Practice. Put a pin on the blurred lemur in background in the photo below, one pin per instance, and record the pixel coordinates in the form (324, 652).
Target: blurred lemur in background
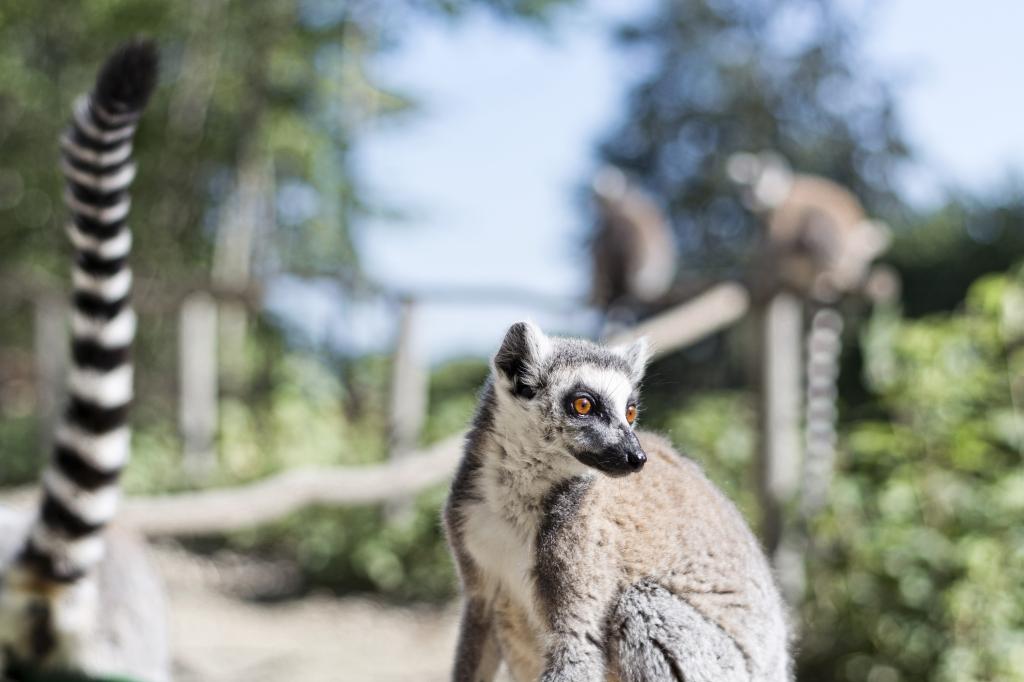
(820, 243)
(73, 595)
(817, 230)
(633, 255)
(591, 551)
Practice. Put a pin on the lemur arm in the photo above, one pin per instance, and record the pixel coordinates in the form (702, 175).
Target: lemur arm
(476, 655)
(573, 599)
(573, 586)
(575, 653)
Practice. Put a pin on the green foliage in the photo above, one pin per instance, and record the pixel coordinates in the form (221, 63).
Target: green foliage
(305, 419)
(939, 254)
(301, 418)
(918, 568)
(263, 99)
(19, 435)
(452, 400)
(396, 554)
(366, 549)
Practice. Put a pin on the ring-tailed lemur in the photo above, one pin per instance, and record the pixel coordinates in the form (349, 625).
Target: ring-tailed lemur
(817, 229)
(589, 551)
(634, 250)
(824, 348)
(72, 594)
(823, 243)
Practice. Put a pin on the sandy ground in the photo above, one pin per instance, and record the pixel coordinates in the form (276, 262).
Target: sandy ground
(221, 636)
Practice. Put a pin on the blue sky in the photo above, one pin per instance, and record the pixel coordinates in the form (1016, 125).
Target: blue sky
(487, 171)
(958, 66)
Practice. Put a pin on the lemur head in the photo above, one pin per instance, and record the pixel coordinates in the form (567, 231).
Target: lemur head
(765, 179)
(574, 401)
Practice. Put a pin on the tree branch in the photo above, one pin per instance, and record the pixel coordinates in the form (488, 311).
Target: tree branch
(687, 323)
(223, 510)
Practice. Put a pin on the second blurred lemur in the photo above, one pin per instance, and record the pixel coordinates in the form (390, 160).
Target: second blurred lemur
(818, 230)
(634, 249)
(820, 243)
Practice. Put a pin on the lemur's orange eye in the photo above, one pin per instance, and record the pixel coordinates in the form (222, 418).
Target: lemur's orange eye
(582, 405)
(631, 414)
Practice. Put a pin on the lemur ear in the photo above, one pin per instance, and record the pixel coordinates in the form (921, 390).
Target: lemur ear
(519, 359)
(636, 355)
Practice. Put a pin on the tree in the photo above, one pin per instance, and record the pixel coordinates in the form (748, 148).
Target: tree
(944, 250)
(284, 80)
(734, 75)
(252, 125)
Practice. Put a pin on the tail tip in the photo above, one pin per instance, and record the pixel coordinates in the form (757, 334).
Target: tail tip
(128, 77)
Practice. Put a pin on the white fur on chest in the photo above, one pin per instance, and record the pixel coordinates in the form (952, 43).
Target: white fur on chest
(501, 529)
(503, 552)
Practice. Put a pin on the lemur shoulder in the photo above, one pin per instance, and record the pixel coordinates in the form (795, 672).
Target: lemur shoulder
(76, 595)
(588, 550)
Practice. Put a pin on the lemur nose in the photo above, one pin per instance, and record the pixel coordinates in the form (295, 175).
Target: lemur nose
(636, 460)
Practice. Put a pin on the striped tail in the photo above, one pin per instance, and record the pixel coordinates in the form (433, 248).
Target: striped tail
(824, 348)
(80, 485)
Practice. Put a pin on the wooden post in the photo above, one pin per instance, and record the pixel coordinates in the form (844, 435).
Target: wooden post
(197, 368)
(409, 386)
(687, 323)
(409, 389)
(781, 342)
(51, 360)
(246, 219)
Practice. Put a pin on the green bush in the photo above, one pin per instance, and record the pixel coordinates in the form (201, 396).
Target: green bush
(399, 556)
(308, 419)
(917, 570)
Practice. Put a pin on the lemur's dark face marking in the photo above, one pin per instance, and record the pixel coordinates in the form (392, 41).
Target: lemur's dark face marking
(601, 434)
(579, 399)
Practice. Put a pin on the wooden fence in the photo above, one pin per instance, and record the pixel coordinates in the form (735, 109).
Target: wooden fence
(768, 295)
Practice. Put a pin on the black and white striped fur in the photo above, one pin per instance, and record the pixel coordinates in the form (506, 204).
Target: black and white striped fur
(824, 348)
(73, 595)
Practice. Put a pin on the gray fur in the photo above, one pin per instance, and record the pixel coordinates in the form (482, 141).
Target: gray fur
(578, 648)
(570, 564)
(477, 654)
(128, 636)
(656, 632)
